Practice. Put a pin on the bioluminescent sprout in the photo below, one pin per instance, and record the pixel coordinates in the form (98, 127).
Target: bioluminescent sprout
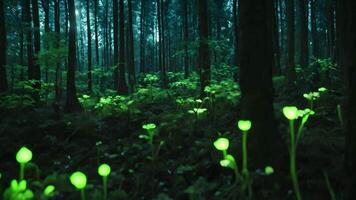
(197, 111)
(222, 144)
(18, 191)
(149, 127)
(269, 170)
(244, 125)
(104, 170)
(23, 156)
(49, 190)
(79, 180)
(322, 89)
(291, 113)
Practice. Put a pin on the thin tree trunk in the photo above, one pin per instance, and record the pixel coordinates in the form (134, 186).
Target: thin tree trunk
(58, 82)
(143, 37)
(303, 17)
(291, 74)
(122, 87)
(96, 31)
(90, 80)
(3, 77)
(186, 38)
(203, 51)
(131, 52)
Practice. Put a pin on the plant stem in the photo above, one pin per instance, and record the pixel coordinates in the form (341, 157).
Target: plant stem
(82, 194)
(292, 160)
(244, 154)
(105, 182)
(22, 171)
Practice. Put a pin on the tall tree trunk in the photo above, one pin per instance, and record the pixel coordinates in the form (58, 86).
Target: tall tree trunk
(90, 80)
(96, 31)
(143, 37)
(291, 74)
(163, 43)
(203, 54)
(131, 52)
(28, 28)
(348, 14)
(37, 44)
(72, 103)
(45, 6)
(275, 41)
(116, 41)
(236, 38)
(314, 30)
(122, 87)
(303, 17)
(58, 81)
(3, 77)
(186, 38)
(256, 78)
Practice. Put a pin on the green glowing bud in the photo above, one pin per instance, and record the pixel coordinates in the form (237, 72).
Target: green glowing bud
(79, 180)
(269, 170)
(221, 144)
(322, 89)
(244, 125)
(24, 155)
(149, 127)
(104, 170)
(225, 163)
(22, 185)
(228, 161)
(290, 112)
(48, 191)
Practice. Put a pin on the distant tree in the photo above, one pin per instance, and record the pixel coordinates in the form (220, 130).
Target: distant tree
(3, 77)
(143, 36)
(256, 63)
(96, 32)
(28, 28)
(72, 103)
(291, 74)
(131, 50)
(236, 37)
(303, 17)
(314, 28)
(122, 86)
(203, 51)
(186, 37)
(90, 80)
(37, 43)
(58, 75)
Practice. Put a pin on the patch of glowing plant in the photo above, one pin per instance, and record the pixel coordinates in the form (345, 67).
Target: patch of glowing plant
(23, 156)
(269, 170)
(49, 190)
(222, 144)
(18, 191)
(244, 126)
(151, 133)
(104, 170)
(313, 96)
(79, 180)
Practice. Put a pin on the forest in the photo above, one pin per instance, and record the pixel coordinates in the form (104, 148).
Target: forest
(178, 99)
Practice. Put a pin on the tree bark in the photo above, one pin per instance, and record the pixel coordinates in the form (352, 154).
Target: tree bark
(58, 81)
(37, 44)
(28, 28)
(203, 54)
(186, 38)
(143, 36)
(72, 103)
(96, 31)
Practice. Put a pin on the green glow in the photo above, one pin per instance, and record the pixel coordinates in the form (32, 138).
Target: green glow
(221, 144)
(18, 191)
(197, 111)
(48, 191)
(104, 170)
(290, 112)
(228, 161)
(322, 89)
(244, 125)
(24, 155)
(269, 170)
(79, 180)
(148, 127)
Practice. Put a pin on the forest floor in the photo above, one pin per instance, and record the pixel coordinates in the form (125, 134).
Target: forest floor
(186, 165)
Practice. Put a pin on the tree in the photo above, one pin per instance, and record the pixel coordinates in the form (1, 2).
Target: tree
(256, 77)
(72, 103)
(236, 37)
(37, 43)
(122, 87)
(303, 17)
(203, 51)
(291, 74)
(28, 28)
(58, 81)
(131, 52)
(185, 38)
(142, 36)
(96, 31)
(90, 81)
(315, 41)
(116, 40)
(3, 77)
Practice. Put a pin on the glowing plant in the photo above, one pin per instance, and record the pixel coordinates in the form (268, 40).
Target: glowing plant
(104, 170)
(313, 96)
(292, 113)
(23, 156)
(269, 170)
(244, 126)
(222, 144)
(151, 132)
(49, 190)
(79, 180)
(18, 191)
